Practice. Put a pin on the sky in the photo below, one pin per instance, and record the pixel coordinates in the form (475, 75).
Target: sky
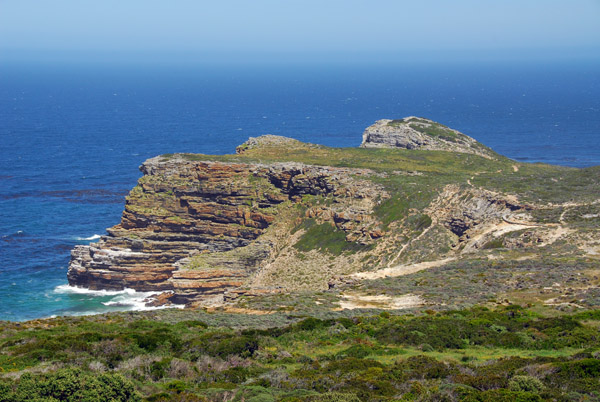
(298, 30)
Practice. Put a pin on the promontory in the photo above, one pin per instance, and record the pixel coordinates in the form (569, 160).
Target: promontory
(282, 217)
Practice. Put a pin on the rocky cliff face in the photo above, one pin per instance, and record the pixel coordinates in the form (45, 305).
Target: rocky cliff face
(196, 227)
(420, 133)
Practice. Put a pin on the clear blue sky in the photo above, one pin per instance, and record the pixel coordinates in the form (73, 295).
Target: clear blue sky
(235, 30)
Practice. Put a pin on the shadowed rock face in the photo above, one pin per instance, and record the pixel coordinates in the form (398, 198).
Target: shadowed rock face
(419, 133)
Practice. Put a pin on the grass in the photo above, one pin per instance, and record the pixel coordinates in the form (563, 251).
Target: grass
(327, 238)
(397, 123)
(369, 158)
(436, 130)
(545, 183)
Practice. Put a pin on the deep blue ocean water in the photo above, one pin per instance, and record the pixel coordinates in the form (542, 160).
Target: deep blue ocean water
(72, 138)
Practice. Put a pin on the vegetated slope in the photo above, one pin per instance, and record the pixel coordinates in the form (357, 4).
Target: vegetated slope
(282, 216)
(469, 355)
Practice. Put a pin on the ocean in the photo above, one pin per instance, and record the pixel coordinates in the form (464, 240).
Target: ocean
(72, 138)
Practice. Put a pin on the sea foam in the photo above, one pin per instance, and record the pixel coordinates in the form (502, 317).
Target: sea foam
(68, 289)
(94, 237)
(112, 300)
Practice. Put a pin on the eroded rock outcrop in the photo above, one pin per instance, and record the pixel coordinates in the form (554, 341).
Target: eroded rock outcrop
(419, 133)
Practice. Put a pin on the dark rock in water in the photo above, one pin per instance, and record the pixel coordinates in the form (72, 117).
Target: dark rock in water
(159, 300)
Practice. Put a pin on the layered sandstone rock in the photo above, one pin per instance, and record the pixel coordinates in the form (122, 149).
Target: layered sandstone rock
(194, 227)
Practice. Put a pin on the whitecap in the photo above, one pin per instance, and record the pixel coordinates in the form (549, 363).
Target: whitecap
(68, 289)
(94, 237)
(137, 302)
(17, 233)
(121, 300)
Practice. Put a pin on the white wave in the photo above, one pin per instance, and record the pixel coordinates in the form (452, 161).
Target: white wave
(94, 237)
(18, 232)
(136, 302)
(68, 289)
(122, 300)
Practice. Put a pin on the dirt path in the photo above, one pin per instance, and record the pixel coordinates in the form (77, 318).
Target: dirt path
(408, 243)
(351, 301)
(495, 231)
(400, 270)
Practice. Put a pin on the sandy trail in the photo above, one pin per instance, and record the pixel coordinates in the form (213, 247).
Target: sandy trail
(353, 301)
(400, 270)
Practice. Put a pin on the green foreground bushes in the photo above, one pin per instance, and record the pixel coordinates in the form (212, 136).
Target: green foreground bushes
(469, 355)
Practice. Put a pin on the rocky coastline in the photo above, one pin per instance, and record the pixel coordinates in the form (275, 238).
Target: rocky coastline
(281, 216)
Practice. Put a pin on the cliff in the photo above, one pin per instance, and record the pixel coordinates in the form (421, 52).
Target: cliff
(284, 216)
(199, 228)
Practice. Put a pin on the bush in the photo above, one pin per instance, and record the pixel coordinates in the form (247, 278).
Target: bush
(500, 395)
(427, 347)
(159, 368)
(310, 324)
(243, 346)
(334, 397)
(357, 351)
(423, 367)
(74, 385)
(217, 344)
(525, 383)
(151, 340)
(586, 368)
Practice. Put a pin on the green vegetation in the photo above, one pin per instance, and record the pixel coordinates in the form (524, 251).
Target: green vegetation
(378, 159)
(400, 122)
(397, 123)
(495, 243)
(465, 355)
(327, 238)
(70, 385)
(547, 183)
(436, 130)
